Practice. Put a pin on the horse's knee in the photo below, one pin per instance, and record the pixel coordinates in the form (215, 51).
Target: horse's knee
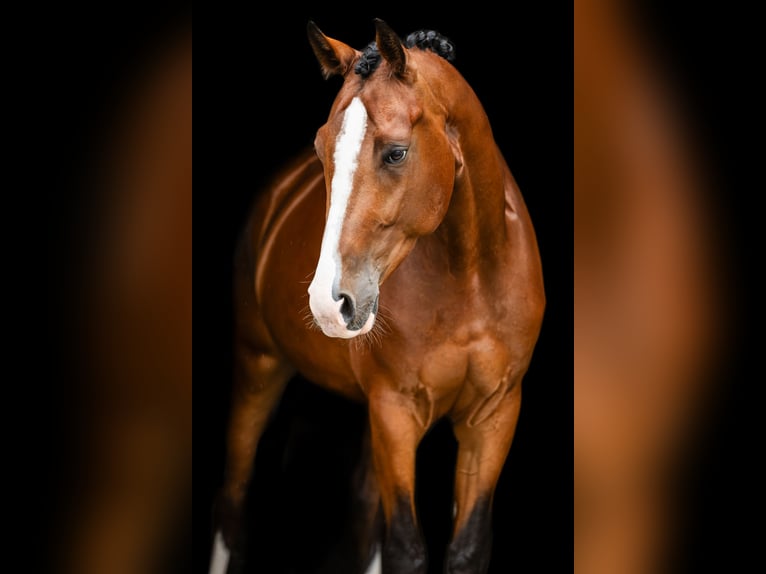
(257, 370)
(404, 551)
(470, 550)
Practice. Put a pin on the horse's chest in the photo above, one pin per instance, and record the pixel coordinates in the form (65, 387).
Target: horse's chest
(464, 336)
(457, 373)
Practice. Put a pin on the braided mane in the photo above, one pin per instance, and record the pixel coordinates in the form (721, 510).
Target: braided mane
(422, 39)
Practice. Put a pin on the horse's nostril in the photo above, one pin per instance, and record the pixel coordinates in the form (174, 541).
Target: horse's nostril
(347, 307)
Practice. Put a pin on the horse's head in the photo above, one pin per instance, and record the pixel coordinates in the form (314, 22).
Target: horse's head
(389, 164)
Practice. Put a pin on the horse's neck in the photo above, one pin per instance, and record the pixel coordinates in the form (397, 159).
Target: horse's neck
(474, 228)
(473, 233)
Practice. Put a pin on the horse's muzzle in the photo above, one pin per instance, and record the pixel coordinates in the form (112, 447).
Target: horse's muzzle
(342, 315)
(357, 316)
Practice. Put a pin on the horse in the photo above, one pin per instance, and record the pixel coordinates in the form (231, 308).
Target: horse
(425, 293)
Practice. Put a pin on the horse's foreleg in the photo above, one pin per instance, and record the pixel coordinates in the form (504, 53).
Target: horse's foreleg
(482, 450)
(259, 380)
(367, 513)
(358, 548)
(396, 433)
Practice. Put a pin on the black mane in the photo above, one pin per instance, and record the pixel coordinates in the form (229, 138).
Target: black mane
(422, 39)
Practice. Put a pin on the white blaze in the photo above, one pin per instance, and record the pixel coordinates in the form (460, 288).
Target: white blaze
(325, 309)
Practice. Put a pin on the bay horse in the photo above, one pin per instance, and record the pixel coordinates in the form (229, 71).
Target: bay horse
(425, 298)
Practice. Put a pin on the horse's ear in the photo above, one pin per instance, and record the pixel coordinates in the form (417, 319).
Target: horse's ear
(334, 57)
(390, 47)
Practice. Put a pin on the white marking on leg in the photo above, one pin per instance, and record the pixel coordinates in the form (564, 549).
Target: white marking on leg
(375, 566)
(326, 310)
(220, 558)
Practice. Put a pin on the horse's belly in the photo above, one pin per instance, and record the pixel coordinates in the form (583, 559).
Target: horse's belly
(286, 258)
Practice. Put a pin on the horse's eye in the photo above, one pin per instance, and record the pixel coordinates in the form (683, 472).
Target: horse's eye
(395, 156)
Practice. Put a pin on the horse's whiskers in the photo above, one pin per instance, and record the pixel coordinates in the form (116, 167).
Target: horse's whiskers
(308, 319)
(382, 324)
(309, 277)
(376, 336)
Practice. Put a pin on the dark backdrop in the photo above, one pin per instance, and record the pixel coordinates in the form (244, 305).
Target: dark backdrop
(259, 98)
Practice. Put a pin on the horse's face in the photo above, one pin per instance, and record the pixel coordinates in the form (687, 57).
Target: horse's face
(389, 170)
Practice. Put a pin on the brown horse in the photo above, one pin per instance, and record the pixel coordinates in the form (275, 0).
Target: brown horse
(425, 297)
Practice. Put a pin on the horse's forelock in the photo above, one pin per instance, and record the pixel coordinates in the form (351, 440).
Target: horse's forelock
(431, 40)
(369, 61)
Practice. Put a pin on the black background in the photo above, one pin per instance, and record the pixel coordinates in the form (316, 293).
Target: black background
(261, 99)
(258, 98)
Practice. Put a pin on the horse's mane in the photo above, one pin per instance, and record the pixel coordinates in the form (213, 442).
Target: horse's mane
(423, 39)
